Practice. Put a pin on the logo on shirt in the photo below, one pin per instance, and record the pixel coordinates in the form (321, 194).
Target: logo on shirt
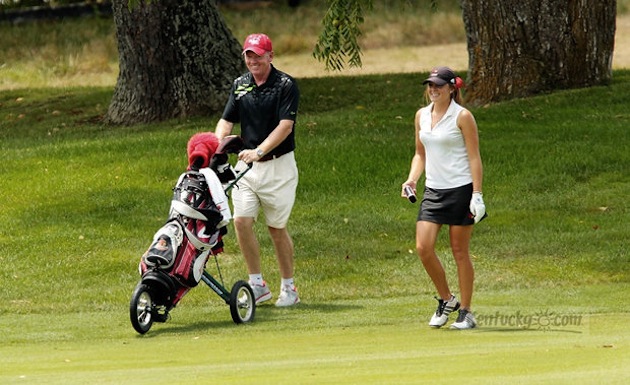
(242, 90)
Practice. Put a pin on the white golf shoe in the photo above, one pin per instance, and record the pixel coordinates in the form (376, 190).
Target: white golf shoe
(465, 320)
(261, 292)
(288, 296)
(440, 317)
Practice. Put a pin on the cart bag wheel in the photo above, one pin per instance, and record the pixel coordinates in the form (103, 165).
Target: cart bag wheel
(242, 303)
(140, 309)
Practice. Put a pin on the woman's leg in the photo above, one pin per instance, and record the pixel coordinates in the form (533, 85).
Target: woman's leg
(426, 236)
(460, 245)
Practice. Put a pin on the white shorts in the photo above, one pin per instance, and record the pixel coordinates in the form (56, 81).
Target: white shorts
(269, 185)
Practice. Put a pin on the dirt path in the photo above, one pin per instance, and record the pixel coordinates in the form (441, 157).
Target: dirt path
(415, 59)
(392, 60)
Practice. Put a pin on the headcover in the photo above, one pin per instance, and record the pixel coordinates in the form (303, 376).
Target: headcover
(231, 144)
(201, 148)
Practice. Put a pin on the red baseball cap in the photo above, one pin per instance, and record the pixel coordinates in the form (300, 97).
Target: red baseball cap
(259, 43)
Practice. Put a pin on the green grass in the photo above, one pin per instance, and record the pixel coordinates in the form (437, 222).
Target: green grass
(317, 344)
(81, 201)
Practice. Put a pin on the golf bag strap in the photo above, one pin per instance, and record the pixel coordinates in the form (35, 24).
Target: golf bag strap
(198, 243)
(185, 210)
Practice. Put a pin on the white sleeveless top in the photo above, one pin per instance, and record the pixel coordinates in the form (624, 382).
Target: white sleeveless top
(446, 164)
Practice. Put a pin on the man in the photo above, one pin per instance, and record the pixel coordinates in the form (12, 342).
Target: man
(264, 101)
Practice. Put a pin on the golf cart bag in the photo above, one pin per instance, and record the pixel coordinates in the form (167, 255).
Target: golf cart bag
(176, 260)
(193, 231)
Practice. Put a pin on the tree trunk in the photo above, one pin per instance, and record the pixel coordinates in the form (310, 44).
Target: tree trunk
(177, 58)
(518, 48)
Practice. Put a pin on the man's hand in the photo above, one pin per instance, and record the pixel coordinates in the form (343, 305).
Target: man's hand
(248, 156)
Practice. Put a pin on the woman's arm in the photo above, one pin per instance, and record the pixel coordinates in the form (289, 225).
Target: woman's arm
(466, 122)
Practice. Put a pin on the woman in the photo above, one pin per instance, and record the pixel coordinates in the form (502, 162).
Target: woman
(447, 151)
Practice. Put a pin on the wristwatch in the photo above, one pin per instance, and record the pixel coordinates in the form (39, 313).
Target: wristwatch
(260, 152)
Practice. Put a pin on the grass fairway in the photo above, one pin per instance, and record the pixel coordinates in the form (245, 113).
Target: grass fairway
(81, 202)
(359, 341)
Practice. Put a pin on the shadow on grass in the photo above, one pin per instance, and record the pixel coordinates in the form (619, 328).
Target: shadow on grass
(324, 307)
(264, 313)
(268, 312)
(163, 328)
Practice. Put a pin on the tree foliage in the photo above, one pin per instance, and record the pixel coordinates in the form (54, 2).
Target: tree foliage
(338, 41)
(341, 28)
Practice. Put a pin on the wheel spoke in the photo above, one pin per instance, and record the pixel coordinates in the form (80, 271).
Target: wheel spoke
(141, 309)
(242, 305)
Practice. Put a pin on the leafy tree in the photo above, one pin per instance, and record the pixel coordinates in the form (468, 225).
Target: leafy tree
(516, 48)
(176, 57)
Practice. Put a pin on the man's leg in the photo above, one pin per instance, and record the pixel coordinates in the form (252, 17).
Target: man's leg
(248, 243)
(251, 252)
(283, 245)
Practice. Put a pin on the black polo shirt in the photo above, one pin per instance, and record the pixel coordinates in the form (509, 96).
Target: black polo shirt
(259, 109)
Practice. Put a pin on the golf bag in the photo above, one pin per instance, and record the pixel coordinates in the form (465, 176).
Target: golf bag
(197, 222)
(176, 260)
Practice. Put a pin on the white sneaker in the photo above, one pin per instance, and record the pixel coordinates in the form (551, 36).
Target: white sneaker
(288, 296)
(465, 320)
(440, 317)
(261, 292)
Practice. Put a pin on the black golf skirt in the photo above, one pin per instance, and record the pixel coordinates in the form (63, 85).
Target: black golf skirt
(447, 206)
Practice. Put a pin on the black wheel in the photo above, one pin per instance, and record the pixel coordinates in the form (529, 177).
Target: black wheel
(140, 309)
(242, 303)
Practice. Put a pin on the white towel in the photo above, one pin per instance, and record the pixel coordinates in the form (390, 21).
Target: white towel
(218, 195)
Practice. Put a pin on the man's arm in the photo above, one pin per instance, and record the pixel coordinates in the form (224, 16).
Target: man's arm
(223, 129)
(277, 136)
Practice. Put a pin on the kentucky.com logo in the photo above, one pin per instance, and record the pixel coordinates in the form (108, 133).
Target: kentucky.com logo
(538, 320)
